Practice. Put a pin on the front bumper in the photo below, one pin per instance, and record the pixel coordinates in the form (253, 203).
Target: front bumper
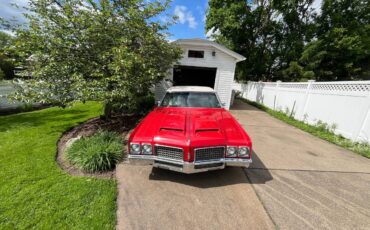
(187, 167)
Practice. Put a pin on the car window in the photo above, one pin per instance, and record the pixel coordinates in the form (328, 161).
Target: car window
(191, 99)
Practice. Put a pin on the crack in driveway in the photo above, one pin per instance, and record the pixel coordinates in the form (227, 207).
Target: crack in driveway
(307, 170)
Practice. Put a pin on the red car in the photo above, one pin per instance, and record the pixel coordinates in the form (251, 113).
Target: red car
(190, 132)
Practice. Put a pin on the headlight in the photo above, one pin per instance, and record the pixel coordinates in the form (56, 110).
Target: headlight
(231, 151)
(134, 148)
(244, 152)
(146, 149)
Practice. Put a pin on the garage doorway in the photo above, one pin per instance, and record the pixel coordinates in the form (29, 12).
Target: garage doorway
(194, 76)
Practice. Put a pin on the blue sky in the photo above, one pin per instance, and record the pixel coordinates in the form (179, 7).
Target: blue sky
(191, 14)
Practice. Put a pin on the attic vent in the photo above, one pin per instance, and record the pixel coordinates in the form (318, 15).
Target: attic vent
(196, 54)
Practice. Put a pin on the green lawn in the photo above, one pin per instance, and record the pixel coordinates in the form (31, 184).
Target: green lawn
(34, 191)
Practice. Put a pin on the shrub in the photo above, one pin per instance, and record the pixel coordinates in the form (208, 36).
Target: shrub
(146, 103)
(142, 104)
(27, 107)
(2, 74)
(98, 153)
(308, 75)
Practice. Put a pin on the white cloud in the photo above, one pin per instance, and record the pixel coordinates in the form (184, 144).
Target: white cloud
(211, 33)
(253, 6)
(202, 13)
(11, 33)
(170, 37)
(316, 5)
(13, 9)
(164, 18)
(180, 12)
(185, 16)
(170, 40)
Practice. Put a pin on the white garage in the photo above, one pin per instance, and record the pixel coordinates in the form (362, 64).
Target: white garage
(204, 63)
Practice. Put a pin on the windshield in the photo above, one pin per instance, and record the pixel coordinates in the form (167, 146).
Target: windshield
(191, 99)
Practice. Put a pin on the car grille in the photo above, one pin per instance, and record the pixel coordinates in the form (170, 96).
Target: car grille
(211, 153)
(169, 152)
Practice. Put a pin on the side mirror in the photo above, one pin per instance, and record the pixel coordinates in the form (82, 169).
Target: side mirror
(223, 104)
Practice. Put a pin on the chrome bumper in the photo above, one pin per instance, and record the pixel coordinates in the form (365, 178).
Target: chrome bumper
(187, 167)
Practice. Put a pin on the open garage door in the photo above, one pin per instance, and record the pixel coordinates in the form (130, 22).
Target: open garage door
(194, 76)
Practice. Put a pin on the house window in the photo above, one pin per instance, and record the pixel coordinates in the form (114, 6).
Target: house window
(196, 54)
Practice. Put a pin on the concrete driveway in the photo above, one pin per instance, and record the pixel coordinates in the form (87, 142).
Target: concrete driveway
(297, 181)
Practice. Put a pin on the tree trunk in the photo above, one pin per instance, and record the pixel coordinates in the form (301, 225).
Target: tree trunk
(107, 110)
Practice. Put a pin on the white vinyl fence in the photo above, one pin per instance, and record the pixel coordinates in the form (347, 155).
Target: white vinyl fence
(343, 105)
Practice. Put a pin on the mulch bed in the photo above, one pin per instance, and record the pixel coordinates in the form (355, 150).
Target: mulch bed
(121, 124)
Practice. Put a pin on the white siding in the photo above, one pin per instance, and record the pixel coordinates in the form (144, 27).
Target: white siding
(224, 63)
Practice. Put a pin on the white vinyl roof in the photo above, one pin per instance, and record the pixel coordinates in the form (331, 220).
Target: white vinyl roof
(205, 42)
(190, 89)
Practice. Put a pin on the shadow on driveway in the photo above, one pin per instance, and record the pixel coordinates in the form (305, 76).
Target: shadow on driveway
(217, 178)
(162, 199)
(243, 106)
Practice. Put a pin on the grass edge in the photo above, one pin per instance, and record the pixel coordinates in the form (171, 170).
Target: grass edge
(358, 148)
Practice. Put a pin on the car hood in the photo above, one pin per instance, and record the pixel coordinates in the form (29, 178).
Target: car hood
(191, 127)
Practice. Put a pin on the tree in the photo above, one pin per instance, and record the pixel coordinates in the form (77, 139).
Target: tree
(270, 34)
(2, 74)
(342, 48)
(281, 36)
(297, 19)
(113, 51)
(5, 40)
(6, 62)
(294, 71)
(248, 32)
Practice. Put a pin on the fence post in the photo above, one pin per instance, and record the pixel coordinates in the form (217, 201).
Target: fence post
(366, 120)
(307, 98)
(277, 90)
